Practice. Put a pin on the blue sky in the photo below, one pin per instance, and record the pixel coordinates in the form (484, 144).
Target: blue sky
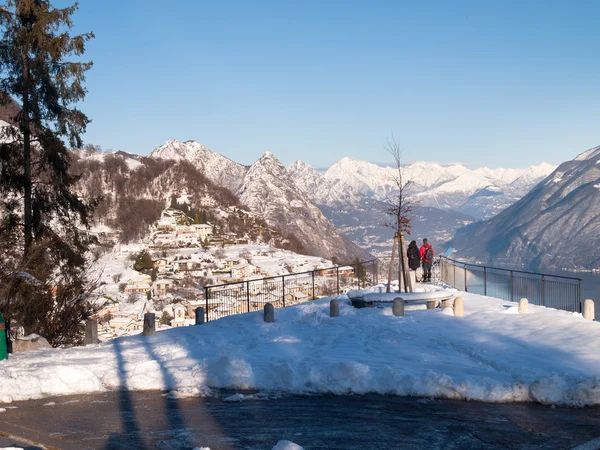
(502, 84)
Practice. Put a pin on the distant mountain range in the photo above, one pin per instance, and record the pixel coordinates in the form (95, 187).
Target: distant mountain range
(350, 193)
(332, 212)
(556, 225)
(267, 189)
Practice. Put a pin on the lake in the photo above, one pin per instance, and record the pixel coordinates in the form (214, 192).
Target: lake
(590, 285)
(555, 293)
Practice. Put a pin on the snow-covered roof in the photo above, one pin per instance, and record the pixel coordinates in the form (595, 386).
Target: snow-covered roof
(121, 320)
(138, 286)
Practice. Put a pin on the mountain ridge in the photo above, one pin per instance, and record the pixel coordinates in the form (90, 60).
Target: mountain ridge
(266, 189)
(446, 198)
(532, 231)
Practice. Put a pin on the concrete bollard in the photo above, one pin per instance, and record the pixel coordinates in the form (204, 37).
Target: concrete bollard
(459, 307)
(432, 305)
(91, 332)
(149, 324)
(269, 313)
(334, 308)
(588, 309)
(398, 306)
(199, 315)
(447, 303)
(523, 306)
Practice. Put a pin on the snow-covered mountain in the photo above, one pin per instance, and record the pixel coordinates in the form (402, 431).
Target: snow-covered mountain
(320, 189)
(217, 168)
(555, 225)
(350, 194)
(266, 188)
(445, 187)
(449, 197)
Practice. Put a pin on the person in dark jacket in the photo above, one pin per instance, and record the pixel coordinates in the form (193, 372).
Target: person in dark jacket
(414, 259)
(426, 253)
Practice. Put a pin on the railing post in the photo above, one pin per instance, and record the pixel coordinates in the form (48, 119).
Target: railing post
(206, 301)
(454, 282)
(248, 294)
(543, 291)
(376, 278)
(283, 284)
(337, 276)
(313, 282)
(466, 278)
(444, 270)
(580, 297)
(484, 280)
(511, 286)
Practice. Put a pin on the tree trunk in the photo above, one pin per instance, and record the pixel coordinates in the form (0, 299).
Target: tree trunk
(401, 266)
(391, 268)
(408, 287)
(27, 203)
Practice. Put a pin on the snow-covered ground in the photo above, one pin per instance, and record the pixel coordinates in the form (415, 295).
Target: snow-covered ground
(491, 354)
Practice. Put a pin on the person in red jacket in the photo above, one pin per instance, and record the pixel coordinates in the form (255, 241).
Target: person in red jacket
(426, 252)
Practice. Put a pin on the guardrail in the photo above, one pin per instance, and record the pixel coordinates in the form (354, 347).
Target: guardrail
(542, 289)
(285, 290)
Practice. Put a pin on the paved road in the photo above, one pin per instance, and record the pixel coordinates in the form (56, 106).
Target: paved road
(9, 441)
(144, 420)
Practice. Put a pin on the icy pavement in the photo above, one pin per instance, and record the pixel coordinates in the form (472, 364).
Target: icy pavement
(491, 354)
(150, 419)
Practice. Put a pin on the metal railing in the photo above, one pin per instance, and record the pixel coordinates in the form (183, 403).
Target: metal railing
(286, 290)
(538, 288)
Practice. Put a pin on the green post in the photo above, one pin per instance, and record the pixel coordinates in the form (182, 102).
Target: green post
(3, 351)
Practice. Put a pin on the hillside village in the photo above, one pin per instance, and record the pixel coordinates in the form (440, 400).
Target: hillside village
(174, 264)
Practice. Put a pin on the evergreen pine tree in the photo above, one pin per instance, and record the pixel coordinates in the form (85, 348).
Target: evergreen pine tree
(42, 216)
(143, 261)
(34, 68)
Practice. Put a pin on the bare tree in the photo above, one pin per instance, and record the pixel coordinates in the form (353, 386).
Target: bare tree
(246, 254)
(398, 204)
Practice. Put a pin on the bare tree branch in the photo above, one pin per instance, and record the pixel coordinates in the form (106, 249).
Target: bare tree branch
(398, 204)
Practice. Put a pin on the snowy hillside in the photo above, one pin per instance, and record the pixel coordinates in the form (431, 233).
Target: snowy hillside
(554, 225)
(136, 191)
(217, 168)
(491, 354)
(268, 190)
(320, 190)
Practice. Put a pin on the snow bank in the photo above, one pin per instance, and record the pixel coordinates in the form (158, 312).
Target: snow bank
(545, 356)
(287, 445)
